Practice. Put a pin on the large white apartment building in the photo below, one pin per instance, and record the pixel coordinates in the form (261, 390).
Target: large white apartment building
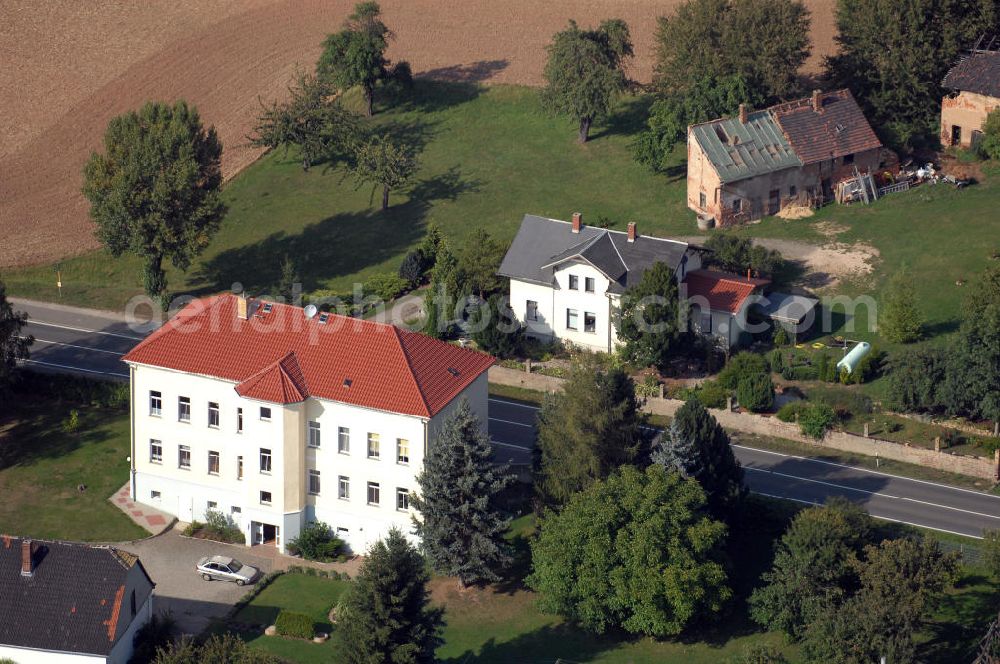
(279, 419)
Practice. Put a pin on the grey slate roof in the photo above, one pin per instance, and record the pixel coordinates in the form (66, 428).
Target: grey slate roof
(740, 151)
(787, 308)
(979, 72)
(68, 605)
(541, 244)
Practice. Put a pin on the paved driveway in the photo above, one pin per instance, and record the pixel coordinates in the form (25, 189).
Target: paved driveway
(170, 560)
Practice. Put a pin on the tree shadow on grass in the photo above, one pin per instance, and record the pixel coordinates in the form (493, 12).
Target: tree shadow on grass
(544, 645)
(474, 72)
(960, 621)
(344, 243)
(628, 120)
(429, 96)
(34, 431)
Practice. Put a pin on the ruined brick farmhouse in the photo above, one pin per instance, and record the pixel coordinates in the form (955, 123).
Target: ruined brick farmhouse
(974, 85)
(746, 167)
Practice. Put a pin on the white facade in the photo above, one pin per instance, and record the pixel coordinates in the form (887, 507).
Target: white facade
(286, 480)
(578, 309)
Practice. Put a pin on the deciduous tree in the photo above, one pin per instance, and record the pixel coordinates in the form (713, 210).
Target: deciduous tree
(311, 120)
(813, 567)
(635, 551)
(13, 346)
(739, 254)
(381, 162)
(386, 615)
(652, 319)
(697, 446)
(900, 319)
(355, 56)
(461, 522)
(894, 54)
(588, 430)
(585, 72)
(155, 190)
(763, 41)
(990, 145)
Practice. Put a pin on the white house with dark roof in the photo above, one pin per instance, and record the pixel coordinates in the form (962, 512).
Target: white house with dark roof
(566, 278)
(277, 417)
(63, 603)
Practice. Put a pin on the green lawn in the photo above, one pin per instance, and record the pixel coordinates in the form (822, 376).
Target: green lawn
(41, 468)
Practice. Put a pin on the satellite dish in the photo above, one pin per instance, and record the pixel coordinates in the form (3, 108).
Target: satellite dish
(310, 310)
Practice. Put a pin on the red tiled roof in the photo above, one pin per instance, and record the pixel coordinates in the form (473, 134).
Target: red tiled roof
(724, 292)
(839, 129)
(282, 357)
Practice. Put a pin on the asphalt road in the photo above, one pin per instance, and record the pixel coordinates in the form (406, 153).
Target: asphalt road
(93, 343)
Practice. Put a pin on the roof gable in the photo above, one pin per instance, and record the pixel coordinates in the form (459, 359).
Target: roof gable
(283, 357)
(542, 243)
(73, 602)
(722, 291)
(977, 72)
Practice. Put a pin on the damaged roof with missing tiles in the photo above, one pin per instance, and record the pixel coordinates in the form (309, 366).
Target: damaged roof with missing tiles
(977, 72)
(74, 599)
(740, 150)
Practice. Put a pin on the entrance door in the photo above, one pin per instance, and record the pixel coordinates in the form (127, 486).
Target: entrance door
(269, 534)
(956, 135)
(774, 201)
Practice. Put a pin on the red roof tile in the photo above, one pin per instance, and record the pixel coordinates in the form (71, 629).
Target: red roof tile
(839, 129)
(724, 292)
(282, 357)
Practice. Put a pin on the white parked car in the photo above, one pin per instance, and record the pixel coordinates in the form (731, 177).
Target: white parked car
(225, 568)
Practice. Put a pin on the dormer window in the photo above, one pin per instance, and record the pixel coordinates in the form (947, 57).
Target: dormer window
(574, 282)
(268, 307)
(323, 318)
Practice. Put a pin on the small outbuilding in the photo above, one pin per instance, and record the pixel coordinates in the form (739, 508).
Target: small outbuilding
(974, 85)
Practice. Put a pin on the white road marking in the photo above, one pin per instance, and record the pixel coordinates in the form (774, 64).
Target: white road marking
(884, 518)
(66, 366)
(872, 493)
(62, 343)
(866, 470)
(514, 403)
(516, 447)
(517, 424)
(32, 321)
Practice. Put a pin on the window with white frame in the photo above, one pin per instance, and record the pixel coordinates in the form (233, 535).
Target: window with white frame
(531, 310)
(402, 451)
(239, 420)
(571, 319)
(373, 493)
(213, 463)
(213, 414)
(589, 322)
(344, 440)
(212, 505)
(574, 282)
(373, 445)
(184, 409)
(265, 497)
(314, 434)
(402, 499)
(588, 284)
(155, 451)
(265, 413)
(155, 403)
(344, 487)
(239, 467)
(183, 456)
(236, 510)
(314, 482)
(265, 460)
(154, 495)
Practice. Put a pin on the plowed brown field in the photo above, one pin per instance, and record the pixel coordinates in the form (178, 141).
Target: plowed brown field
(67, 67)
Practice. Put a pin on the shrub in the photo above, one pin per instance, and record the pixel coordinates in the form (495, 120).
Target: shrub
(414, 266)
(804, 372)
(815, 420)
(649, 386)
(316, 542)
(756, 392)
(296, 625)
(759, 653)
(219, 527)
(791, 411)
(72, 423)
(709, 393)
(777, 361)
(741, 365)
(385, 286)
(780, 336)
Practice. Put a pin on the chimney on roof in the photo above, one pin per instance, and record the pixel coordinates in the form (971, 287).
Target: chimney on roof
(27, 558)
(744, 115)
(818, 101)
(577, 222)
(243, 307)
(631, 231)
